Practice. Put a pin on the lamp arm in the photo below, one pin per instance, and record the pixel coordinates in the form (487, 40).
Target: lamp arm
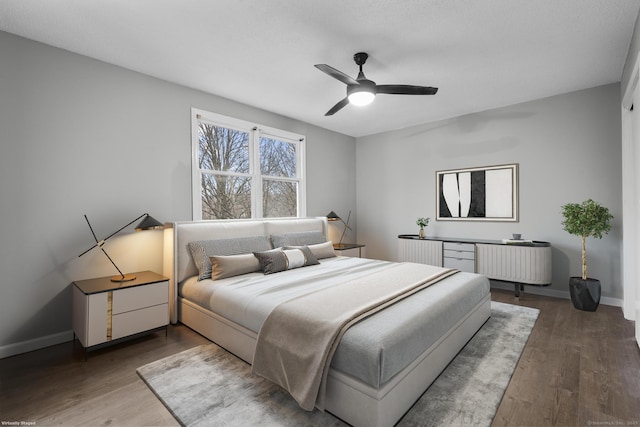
(346, 225)
(122, 228)
(342, 237)
(101, 242)
(114, 264)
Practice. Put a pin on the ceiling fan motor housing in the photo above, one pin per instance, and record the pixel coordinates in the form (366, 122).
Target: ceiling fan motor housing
(363, 86)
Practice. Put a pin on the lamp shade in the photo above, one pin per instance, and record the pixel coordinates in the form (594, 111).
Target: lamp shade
(332, 216)
(149, 223)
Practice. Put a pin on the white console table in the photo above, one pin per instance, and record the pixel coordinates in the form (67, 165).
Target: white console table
(519, 263)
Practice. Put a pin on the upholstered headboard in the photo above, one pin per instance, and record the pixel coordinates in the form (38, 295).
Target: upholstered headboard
(178, 264)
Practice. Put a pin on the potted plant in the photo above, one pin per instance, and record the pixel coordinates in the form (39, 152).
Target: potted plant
(586, 219)
(422, 223)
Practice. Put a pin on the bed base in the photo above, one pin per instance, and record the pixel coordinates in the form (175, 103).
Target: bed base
(348, 398)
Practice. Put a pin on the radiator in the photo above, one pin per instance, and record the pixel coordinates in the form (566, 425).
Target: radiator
(511, 263)
(420, 251)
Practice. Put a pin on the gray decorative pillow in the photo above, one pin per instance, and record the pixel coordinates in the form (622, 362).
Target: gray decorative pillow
(299, 238)
(223, 266)
(310, 258)
(279, 259)
(201, 250)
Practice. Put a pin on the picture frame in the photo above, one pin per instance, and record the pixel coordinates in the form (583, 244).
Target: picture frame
(487, 193)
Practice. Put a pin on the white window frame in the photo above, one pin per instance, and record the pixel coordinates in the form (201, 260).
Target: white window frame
(255, 131)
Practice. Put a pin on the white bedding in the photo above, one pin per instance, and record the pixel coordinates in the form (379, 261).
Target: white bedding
(373, 350)
(249, 298)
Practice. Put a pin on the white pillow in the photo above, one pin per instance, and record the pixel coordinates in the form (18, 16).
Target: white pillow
(295, 258)
(322, 250)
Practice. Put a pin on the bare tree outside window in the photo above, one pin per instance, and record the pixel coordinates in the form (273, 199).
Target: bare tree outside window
(224, 150)
(278, 159)
(279, 199)
(230, 187)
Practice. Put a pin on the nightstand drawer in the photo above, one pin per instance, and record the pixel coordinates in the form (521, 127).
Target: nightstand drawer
(130, 299)
(448, 253)
(132, 322)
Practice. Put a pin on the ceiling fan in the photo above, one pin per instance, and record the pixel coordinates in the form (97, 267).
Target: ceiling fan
(362, 91)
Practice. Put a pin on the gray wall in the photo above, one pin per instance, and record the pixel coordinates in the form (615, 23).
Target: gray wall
(568, 148)
(81, 136)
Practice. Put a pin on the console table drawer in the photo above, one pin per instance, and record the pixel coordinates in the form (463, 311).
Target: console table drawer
(468, 265)
(461, 256)
(448, 253)
(457, 246)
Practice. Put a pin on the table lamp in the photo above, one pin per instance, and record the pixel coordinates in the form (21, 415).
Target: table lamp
(147, 223)
(332, 216)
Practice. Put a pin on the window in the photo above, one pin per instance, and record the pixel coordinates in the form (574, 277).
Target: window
(245, 170)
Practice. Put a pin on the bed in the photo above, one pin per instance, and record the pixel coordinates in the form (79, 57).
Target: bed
(382, 364)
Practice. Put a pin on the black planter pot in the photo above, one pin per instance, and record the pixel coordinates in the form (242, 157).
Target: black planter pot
(585, 294)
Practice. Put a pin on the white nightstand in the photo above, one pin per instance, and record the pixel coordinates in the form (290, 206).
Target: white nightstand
(106, 311)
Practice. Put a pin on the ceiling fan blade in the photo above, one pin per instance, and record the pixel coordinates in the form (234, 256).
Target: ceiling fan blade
(336, 74)
(406, 90)
(339, 106)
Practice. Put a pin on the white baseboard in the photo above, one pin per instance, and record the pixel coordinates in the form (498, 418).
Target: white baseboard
(35, 344)
(547, 292)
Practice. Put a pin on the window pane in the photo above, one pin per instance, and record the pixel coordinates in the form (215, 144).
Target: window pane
(279, 199)
(223, 149)
(277, 158)
(225, 197)
(243, 170)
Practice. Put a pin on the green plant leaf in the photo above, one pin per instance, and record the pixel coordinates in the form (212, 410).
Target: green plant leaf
(422, 222)
(586, 219)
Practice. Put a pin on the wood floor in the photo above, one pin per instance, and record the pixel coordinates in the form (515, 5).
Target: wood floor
(578, 369)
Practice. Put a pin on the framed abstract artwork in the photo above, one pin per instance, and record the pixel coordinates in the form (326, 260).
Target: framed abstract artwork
(487, 193)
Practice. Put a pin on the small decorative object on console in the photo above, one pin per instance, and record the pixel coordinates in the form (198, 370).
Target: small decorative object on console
(422, 223)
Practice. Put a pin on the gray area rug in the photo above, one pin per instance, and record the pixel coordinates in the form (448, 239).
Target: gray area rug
(207, 386)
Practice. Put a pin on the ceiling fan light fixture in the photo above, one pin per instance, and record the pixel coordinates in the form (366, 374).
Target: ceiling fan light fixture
(362, 91)
(360, 98)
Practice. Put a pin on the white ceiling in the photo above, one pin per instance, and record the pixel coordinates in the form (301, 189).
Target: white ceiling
(481, 54)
